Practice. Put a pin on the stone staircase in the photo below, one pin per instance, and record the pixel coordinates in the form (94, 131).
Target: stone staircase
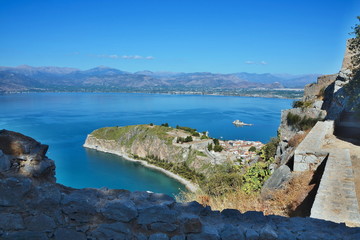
(336, 197)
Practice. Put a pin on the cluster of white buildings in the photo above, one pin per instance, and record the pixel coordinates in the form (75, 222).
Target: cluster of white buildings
(240, 148)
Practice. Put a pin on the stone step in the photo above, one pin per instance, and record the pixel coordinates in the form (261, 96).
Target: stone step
(309, 153)
(336, 197)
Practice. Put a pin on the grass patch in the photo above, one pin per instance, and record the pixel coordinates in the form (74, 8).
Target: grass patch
(129, 133)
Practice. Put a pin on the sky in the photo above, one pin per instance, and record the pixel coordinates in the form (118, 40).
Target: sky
(225, 36)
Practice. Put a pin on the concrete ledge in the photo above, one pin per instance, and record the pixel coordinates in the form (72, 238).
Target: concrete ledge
(309, 154)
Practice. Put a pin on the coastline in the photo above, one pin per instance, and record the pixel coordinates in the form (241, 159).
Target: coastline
(189, 185)
(166, 93)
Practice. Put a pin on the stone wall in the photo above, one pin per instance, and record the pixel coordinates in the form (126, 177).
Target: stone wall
(309, 153)
(346, 64)
(34, 207)
(314, 91)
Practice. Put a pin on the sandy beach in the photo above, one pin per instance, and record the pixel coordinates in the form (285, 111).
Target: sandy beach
(189, 185)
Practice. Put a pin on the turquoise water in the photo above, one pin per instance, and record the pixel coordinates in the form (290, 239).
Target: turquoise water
(62, 120)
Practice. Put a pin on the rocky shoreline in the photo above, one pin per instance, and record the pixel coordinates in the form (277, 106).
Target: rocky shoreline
(89, 143)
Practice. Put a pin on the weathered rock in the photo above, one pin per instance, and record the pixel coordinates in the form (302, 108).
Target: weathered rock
(158, 236)
(114, 231)
(120, 210)
(251, 234)
(209, 233)
(230, 232)
(11, 221)
(79, 204)
(156, 214)
(163, 227)
(35, 168)
(29, 153)
(288, 131)
(318, 104)
(4, 162)
(24, 235)
(161, 199)
(41, 223)
(268, 233)
(189, 207)
(46, 196)
(192, 224)
(178, 237)
(13, 190)
(280, 176)
(68, 233)
(17, 144)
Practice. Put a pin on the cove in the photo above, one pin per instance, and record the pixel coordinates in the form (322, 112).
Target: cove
(63, 120)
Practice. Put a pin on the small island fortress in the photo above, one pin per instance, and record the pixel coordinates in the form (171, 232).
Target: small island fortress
(238, 123)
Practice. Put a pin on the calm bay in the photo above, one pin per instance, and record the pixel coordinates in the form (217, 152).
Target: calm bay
(63, 120)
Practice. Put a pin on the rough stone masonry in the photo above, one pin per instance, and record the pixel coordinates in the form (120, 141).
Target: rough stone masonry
(34, 206)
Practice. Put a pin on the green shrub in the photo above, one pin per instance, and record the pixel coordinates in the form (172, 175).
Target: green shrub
(301, 123)
(218, 148)
(210, 146)
(204, 137)
(221, 183)
(178, 168)
(293, 119)
(252, 149)
(165, 125)
(188, 139)
(268, 151)
(196, 134)
(182, 140)
(302, 104)
(255, 177)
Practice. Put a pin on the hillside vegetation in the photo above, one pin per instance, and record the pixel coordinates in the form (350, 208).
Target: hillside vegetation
(159, 145)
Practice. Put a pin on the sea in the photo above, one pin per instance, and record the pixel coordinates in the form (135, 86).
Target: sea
(63, 120)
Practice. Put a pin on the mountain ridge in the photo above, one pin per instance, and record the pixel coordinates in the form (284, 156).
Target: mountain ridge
(103, 78)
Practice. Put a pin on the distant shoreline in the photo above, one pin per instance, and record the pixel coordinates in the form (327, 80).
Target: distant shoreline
(248, 93)
(189, 185)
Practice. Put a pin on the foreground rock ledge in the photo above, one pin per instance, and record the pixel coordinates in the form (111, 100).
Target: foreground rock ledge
(34, 206)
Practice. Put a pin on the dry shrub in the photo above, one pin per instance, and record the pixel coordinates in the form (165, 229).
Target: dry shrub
(283, 202)
(286, 200)
(234, 200)
(297, 139)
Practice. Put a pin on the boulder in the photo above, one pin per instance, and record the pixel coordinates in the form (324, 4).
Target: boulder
(230, 232)
(277, 180)
(4, 162)
(28, 155)
(280, 176)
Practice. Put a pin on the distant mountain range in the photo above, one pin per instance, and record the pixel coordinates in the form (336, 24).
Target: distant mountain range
(27, 78)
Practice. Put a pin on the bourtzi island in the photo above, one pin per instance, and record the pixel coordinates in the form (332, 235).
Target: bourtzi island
(303, 184)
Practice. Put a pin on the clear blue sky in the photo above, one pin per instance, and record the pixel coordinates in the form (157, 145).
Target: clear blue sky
(292, 36)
